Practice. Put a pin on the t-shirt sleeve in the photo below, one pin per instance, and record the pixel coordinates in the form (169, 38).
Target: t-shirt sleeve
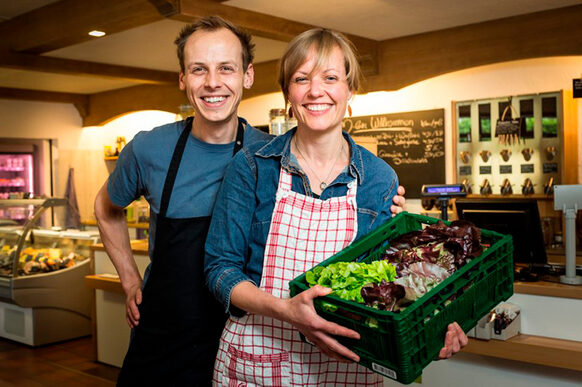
(124, 184)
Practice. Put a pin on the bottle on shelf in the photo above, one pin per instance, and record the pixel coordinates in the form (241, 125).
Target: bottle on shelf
(277, 124)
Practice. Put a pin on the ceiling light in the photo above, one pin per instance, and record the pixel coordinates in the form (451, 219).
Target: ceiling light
(97, 33)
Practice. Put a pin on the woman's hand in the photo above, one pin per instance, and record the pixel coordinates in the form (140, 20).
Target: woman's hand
(398, 200)
(455, 339)
(299, 312)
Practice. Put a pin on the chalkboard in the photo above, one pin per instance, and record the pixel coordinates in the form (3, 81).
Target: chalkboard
(413, 143)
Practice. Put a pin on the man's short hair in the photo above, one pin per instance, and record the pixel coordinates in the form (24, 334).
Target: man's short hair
(213, 23)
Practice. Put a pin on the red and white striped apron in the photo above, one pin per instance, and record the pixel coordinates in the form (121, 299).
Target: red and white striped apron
(261, 351)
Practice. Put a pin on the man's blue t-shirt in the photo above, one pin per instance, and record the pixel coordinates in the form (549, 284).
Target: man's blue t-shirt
(143, 164)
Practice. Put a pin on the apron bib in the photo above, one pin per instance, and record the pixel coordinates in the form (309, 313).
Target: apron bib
(180, 323)
(261, 351)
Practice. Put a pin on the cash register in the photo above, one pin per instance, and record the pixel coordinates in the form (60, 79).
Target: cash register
(517, 217)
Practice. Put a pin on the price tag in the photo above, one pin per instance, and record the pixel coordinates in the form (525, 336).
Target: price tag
(527, 168)
(465, 170)
(505, 169)
(550, 167)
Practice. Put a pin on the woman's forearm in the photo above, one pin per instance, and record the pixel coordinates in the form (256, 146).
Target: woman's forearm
(251, 299)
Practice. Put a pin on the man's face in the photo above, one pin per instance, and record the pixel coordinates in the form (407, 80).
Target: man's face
(214, 76)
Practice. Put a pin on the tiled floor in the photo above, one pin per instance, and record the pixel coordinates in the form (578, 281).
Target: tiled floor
(71, 363)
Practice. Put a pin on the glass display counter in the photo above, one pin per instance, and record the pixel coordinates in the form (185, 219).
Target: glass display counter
(43, 298)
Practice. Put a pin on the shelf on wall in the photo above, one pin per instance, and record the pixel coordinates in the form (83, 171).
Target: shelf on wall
(531, 349)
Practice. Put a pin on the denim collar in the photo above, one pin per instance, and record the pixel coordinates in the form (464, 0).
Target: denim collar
(280, 146)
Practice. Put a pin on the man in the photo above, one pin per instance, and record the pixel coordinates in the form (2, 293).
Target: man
(178, 168)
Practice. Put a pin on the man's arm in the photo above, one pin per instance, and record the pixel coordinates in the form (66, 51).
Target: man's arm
(398, 201)
(115, 237)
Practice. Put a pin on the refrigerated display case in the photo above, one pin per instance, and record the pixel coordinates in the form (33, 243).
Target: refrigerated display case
(16, 174)
(16, 181)
(43, 298)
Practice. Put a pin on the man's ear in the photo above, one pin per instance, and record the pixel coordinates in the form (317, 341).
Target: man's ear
(181, 81)
(249, 77)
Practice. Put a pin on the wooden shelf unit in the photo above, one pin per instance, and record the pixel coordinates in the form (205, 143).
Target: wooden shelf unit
(545, 351)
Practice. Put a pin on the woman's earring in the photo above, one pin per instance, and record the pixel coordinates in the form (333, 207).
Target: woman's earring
(290, 114)
(349, 111)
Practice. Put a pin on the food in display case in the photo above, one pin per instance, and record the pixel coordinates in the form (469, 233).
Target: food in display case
(43, 298)
(44, 250)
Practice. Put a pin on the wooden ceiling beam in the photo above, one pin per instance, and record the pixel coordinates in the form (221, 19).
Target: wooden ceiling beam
(411, 59)
(77, 67)
(81, 101)
(68, 22)
(166, 8)
(271, 27)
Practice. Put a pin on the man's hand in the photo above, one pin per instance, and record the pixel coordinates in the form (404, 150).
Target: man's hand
(132, 301)
(454, 341)
(398, 200)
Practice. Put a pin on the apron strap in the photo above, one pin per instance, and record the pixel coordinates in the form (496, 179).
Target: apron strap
(177, 158)
(240, 132)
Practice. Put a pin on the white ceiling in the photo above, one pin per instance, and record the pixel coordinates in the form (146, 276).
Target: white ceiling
(151, 46)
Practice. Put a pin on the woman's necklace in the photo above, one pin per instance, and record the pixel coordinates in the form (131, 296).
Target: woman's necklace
(323, 182)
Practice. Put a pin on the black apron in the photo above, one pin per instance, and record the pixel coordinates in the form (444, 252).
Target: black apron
(180, 324)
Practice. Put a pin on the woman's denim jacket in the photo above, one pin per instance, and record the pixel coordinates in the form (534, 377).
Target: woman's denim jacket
(242, 214)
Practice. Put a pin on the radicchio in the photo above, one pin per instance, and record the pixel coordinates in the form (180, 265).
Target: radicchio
(449, 246)
(383, 296)
(418, 278)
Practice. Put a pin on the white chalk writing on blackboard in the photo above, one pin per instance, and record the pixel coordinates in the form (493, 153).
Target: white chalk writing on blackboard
(413, 143)
(432, 123)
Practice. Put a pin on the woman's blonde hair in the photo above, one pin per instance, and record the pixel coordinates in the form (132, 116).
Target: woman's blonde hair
(323, 41)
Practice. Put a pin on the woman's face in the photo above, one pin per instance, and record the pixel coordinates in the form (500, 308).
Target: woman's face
(319, 98)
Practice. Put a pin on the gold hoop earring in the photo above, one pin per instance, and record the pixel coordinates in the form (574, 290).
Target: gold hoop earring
(349, 110)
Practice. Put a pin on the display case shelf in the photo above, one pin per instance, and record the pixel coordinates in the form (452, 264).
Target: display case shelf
(12, 169)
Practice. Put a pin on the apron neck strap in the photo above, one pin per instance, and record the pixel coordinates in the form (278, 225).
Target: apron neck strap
(240, 133)
(174, 165)
(177, 158)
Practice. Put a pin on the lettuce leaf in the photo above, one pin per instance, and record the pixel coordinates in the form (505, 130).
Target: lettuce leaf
(346, 279)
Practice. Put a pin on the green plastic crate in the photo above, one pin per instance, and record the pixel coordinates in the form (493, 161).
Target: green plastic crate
(400, 345)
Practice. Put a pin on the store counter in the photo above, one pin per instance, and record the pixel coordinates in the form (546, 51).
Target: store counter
(548, 351)
(110, 329)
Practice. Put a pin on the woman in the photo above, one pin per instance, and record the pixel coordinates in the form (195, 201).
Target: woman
(283, 208)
